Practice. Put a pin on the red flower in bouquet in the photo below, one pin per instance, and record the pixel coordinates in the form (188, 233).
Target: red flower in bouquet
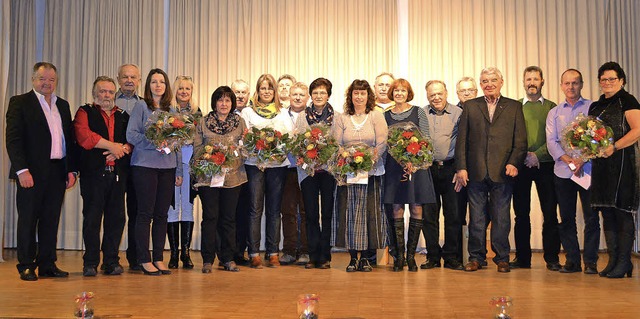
(316, 132)
(278, 134)
(312, 153)
(413, 148)
(177, 123)
(218, 158)
(261, 144)
(407, 134)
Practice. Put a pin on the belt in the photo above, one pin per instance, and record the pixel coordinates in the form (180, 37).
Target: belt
(109, 168)
(444, 163)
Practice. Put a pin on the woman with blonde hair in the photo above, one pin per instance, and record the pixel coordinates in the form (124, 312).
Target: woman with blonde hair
(180, 216)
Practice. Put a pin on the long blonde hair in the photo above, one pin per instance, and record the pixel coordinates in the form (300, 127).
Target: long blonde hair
(272, 84)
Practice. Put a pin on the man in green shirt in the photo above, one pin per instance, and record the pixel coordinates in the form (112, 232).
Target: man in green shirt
(538, 168)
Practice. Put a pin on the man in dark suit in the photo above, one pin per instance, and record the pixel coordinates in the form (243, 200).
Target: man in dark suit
(40, 145)
(492, 143)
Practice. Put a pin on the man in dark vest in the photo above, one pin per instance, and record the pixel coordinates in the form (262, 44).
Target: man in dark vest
(101, 134)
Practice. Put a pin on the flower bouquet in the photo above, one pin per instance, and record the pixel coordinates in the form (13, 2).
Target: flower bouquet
(409, 148)
(313, 148)
(586, 137)
(169, 131)
(351, 163)
(268, 146)
(211, 161)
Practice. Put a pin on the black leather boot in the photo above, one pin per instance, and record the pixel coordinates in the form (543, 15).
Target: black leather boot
(186, 233)
(625, 244)
(173, 230)
(398, 226)
(415, 225)
(611, 238)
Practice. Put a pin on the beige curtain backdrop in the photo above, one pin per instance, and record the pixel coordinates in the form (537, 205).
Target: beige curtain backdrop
(217, 42)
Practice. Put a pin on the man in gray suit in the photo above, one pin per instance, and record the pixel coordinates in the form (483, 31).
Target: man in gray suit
(492, 143)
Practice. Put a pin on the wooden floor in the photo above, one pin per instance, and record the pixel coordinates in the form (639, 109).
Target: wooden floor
(272, 293)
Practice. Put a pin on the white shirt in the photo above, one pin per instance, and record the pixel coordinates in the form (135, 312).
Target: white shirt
(51, 112)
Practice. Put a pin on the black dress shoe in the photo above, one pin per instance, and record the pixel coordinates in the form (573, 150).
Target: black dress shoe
(53, 272)
(515, 264)
(429, 264)
(590, 269)
(569, 267)
(556, 266)
(150, 273)
(453, 264)
(162, 271)
(324, 265)
(28, 275)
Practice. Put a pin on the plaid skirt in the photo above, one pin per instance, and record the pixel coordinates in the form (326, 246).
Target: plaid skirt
(358, 221)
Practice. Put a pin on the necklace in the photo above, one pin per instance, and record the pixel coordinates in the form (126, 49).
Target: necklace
(358, 126)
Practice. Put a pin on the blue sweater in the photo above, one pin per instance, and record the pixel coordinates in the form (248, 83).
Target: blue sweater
(145, 153)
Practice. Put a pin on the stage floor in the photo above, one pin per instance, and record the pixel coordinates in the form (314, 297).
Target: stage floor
(272, 293)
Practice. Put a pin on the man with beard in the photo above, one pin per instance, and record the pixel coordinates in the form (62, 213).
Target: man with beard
(101, 133)
(538, 168)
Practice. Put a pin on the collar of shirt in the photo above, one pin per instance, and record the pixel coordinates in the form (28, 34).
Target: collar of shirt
(40, 97)
(492, 101)
(525, 100)
(121, 95)
(432, 110)
(580, 101)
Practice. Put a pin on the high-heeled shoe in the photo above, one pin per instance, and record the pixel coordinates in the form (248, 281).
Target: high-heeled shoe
(148, 272)
(162, 271)
(619, 272)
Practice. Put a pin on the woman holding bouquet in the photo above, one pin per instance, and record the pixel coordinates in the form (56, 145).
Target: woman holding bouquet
(153, 172)
(266, 183)
(222, 126)
(321, 183)
(180, 216)
(406, 187)
(614, 185)
(358, 221)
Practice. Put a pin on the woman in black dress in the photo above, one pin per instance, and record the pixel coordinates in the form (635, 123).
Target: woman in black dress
(399, 190)
(614, 183)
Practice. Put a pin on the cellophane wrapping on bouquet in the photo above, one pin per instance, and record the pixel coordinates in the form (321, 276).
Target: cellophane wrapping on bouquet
(409, 148)
(268, 146)
(586, 137)
(313, 148)
(170, 129)
(351, 160)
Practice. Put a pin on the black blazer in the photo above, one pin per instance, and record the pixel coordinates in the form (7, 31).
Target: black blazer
(484, 148)
(28, 138)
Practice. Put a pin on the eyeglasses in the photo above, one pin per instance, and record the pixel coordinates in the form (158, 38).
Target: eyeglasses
(184, 77)
(465, 91)
(609, 80)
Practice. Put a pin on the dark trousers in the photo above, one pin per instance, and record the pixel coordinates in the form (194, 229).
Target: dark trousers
(446, 197)
(319, 225)
(294, 227)
(242, 221)
(543, 177)
(132, 212)
(495, 197)
(218, 221)
(265, 190)
(102, 197)
(39, 213)
(567, 192)
(154, 187)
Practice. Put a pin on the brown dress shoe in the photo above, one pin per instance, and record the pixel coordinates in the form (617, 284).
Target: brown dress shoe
(256, 262)
(503, 266)
(273, 261)
(472, 266)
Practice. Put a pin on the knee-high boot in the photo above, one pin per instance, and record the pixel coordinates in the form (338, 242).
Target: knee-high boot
(398, 226)
(611, 238)
(173, 230)
(415, 225)
(186, 233)
(626, 230)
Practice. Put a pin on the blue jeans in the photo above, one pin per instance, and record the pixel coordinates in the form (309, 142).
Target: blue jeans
(496, 197)
(567, 192)
(265, 187)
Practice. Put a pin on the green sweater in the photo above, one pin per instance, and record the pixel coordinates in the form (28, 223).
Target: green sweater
(535, 118)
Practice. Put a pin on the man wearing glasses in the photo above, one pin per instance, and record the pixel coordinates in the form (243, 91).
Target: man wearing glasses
(492, 143)
(466, 90)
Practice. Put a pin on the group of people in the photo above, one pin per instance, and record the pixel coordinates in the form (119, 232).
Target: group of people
(487, 151)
